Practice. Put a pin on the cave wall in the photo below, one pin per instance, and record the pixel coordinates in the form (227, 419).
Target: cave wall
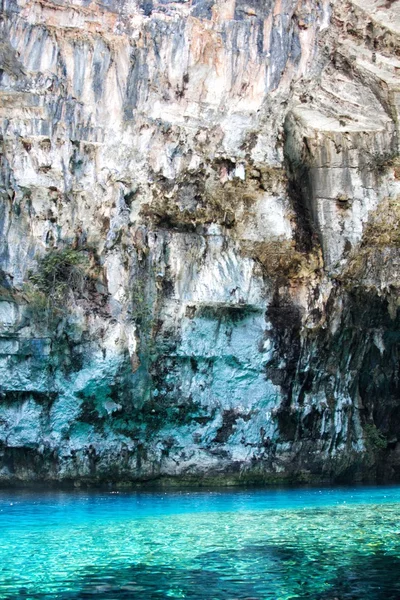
(199, 250)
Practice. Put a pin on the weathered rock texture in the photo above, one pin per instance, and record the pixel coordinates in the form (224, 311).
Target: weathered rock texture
(200, 240)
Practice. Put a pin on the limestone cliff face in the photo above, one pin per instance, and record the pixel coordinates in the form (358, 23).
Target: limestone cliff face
(199, 251)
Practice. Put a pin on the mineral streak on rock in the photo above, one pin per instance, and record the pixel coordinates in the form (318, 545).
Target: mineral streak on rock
(199, 250)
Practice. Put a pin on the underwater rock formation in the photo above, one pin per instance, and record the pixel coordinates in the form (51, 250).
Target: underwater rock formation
(199, 251)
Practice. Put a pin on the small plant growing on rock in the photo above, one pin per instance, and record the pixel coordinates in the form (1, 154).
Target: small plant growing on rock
(60, 271)
(374, 438)
(279, 257)
(383, 227)
(141, 307)
(380, 241)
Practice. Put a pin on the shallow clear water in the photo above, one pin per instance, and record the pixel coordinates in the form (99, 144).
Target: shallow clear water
(262, 544)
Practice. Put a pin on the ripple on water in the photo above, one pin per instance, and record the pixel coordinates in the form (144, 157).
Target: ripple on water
(229, 547)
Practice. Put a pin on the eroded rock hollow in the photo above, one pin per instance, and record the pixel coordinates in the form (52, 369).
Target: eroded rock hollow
(200, 231)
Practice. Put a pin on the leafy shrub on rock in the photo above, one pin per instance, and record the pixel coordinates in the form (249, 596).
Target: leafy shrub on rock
(59, 272)
(374, 438)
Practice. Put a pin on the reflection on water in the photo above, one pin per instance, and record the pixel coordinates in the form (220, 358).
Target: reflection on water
(317, 544)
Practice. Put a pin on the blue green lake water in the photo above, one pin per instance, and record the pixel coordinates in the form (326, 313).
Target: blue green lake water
(327, 544)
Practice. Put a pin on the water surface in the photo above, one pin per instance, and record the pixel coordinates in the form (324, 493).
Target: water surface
(326, 544)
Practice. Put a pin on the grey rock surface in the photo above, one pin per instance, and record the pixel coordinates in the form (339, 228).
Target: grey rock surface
(199, 248)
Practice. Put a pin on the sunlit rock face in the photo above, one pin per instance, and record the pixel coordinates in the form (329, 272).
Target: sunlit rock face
(214, 187)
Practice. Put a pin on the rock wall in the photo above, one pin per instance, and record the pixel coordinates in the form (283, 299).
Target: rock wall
(199, 251)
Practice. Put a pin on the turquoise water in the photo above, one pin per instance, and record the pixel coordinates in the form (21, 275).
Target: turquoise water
(323, 544)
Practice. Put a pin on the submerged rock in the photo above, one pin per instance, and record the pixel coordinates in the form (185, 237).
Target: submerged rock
(199, 251)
